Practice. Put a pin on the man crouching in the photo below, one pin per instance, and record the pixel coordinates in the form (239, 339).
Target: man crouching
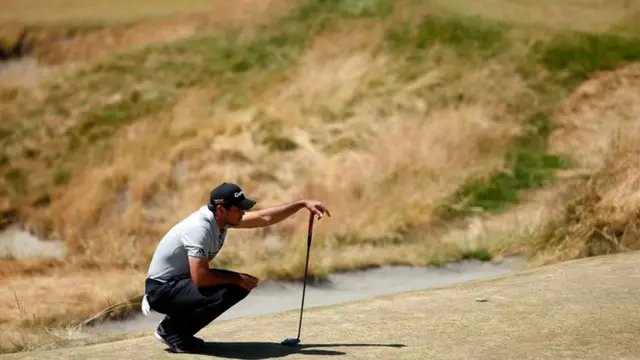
(180, 283)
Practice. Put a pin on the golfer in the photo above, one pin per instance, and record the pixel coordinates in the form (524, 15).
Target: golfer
(180, 283)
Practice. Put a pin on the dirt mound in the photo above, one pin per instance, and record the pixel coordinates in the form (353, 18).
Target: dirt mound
(602, 107)
(603, 216)
(600, 128)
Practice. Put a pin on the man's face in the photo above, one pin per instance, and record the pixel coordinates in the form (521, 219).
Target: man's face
(233, 216)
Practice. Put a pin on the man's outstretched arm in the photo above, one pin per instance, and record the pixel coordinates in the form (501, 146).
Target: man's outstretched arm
(274, 215)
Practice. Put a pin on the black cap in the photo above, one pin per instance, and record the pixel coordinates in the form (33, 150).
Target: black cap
(227, 193)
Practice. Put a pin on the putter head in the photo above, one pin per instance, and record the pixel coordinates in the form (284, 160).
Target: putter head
(290, 342)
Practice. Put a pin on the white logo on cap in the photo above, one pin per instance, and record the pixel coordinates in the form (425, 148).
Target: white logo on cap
(237, 194)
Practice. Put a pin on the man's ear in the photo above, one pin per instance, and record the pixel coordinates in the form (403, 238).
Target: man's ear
(214, 208)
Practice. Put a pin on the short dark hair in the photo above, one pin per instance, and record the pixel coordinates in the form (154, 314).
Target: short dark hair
(213, 207)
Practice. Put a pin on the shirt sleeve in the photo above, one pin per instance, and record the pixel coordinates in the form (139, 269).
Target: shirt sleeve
(197, 242)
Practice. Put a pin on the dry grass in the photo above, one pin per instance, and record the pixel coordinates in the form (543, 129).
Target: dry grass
(25, 73)
(81, 294)
(595, 113)
(39, 12)
(418, 153)
(599, 127)
(100, 43)
(510, 233)
(27, 267)
(30, 320)
(602, 217)
(95, 30)
(586, 15)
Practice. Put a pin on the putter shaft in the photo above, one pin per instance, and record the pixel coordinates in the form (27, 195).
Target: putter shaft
(306, 267)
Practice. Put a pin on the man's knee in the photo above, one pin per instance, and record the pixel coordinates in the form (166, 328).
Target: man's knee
(238, 293)
(224, 293)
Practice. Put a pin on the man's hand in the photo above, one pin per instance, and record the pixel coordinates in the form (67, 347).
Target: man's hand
(248, 282)
(317, 208)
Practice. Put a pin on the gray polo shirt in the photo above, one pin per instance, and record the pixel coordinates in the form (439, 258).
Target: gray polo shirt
(195, 236)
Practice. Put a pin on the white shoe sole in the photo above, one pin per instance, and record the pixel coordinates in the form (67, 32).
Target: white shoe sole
(171, 347)
(161, 339)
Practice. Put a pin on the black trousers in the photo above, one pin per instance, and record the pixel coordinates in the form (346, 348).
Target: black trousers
(187, 308)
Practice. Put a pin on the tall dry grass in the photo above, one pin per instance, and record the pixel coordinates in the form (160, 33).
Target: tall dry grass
(29, 293)
(602, 217)
(598, 125)
(393, 156)
(49, 310)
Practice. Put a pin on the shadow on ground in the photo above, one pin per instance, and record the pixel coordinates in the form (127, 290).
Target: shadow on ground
(266, 350)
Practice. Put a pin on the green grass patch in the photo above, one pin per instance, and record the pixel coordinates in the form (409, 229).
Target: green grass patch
(16, 180)
(5, 133)
(477, 254)
(437, 260)
(466, 36)
(574, 57)
(62, 176)
(528, 166)
(280, 143)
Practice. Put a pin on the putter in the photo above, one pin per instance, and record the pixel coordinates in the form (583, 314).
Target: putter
(296, 341)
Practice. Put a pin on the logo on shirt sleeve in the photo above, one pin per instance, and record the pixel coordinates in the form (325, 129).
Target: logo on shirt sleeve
(200, 252)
